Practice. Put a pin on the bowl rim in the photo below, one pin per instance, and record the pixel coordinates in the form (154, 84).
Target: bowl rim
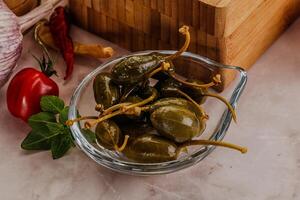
(134, 168)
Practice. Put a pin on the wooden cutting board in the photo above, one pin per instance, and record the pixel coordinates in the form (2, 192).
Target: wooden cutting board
(252, 30)
(233, 32)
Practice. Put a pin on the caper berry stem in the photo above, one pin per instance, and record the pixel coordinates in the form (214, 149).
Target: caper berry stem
(114, 107)
(145, 108)
(216, 81)
(124, 108)
(123, 146)
(128, 91)
(165, 66)
(210, 142)
(203, 114)
(144, 102)
(70, 122)
(90, 124)
(184, 30)
(231, 109)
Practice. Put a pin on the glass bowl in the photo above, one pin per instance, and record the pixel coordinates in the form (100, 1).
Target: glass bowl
(189, 65)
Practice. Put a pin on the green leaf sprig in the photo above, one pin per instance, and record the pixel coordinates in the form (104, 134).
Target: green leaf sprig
(49, 131)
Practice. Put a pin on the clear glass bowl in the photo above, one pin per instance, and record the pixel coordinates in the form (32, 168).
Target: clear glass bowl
(189, 65)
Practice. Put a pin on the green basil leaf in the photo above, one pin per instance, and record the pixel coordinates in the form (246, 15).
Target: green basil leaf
(52, 104)
(39, 121)
(55, 127)
(89, 135)
(68, 132)
(63, 115)
(38, 140)
(60, 145)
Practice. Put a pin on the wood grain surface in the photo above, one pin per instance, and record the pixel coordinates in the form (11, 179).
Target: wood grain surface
(232, 32)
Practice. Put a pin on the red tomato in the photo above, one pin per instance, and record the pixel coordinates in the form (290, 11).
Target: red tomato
(25, 91)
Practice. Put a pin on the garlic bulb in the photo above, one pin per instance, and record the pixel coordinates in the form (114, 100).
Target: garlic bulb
(11, 28)
(10, 42)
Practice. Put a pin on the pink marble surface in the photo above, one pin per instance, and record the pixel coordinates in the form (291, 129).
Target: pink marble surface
(268, 124)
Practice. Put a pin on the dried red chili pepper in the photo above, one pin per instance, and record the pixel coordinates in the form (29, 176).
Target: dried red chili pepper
(60, 29)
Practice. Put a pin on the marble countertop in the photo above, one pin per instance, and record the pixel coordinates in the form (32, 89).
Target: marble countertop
(269, 125)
